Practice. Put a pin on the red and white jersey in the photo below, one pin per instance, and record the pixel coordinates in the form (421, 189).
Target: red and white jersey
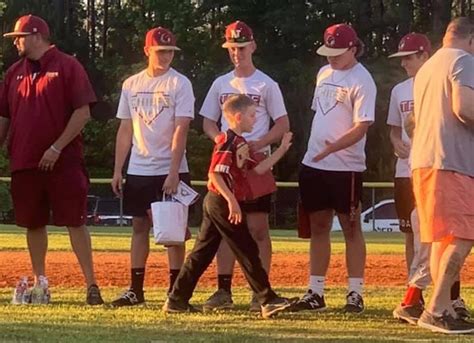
(231, 158)
(153, 103)
(401, 105)
(260, 87)
(341, 99)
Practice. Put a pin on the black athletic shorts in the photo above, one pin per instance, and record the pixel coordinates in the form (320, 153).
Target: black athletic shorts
(404, 202)
(140, 191)
(262, 204)
(327, 189)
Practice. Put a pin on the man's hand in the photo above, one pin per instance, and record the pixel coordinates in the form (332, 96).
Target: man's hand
(324, 153)
(170, 186)
(402, 149)
(117, 182)
(286, 141)
(48, 160)
(235, 213)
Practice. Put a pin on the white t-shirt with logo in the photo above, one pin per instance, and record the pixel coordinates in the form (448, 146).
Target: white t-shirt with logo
(401, 105)
(260, 87)
(153, 103)
(341, 99)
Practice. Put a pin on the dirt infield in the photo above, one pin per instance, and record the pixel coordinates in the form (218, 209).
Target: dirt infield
(287, 270)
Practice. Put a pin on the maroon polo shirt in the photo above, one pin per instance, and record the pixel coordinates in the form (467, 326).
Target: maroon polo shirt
(39, 98)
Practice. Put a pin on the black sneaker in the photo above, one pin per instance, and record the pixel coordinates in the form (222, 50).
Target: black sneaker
(310, 302)
(129, 298)
(409, 314)
(93, 296)
(460, 308)
(355, 303)
(275, 306)
(445, 323)
(173, 306)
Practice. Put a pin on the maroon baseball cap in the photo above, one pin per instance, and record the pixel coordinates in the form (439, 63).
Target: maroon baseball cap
(27, 25)
(237, 35)
(412, 43)
(337, 40)
(160, 38)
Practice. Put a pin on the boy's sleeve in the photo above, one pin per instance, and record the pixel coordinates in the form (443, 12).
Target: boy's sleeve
(222, 156)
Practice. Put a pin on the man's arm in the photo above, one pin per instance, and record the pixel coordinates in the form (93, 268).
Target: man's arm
(123, 142)
(210, 128)
(280, 127)
(402, 149)
(463, 104)
(78, 120)
(4, 126)
(351, 137)
(178, 146)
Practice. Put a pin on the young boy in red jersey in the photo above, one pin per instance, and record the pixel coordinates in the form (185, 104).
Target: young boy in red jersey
(222, 215)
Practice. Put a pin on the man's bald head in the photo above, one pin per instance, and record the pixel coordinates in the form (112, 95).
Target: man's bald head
(460, 34)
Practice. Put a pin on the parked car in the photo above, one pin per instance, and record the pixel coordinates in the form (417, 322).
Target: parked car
(106, 212)
(381, 218)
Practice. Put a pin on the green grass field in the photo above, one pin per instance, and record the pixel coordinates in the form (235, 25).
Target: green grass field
(118, 239)
(68, 320)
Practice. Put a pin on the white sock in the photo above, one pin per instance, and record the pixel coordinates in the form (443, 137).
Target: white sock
(356, 284)
(316, 284)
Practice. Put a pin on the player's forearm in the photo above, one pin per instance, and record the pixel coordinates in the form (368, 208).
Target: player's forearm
(210, 128)
(78, 120)
(178, 145)
(350, 138)
(4, 126)
(270, 161)
(218, 182)
(395, 135)
(123, 143)
(280, 127)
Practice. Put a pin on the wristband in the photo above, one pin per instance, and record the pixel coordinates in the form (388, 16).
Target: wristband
(56, 150)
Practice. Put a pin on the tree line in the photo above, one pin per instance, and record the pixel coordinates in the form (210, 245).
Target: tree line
(107, 36)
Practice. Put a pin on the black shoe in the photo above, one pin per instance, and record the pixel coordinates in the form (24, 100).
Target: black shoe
(460, 308)
(93, 296)
(173, 306)
(409, 314)
(310, 302)
(275, 306)
(445, 323)
(355, 303)
(129, 298)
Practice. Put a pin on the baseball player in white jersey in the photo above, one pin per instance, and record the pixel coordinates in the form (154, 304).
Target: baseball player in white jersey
(331, 175)
(245, 78)
(414, 50)
(155, 109)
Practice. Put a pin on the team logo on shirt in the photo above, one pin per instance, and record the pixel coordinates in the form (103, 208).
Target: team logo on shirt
(255, 97)
(242, 154)
(149, 105)
(407, 106)
(329, 95)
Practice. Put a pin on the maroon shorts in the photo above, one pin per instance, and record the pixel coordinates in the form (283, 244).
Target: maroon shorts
(61, 193)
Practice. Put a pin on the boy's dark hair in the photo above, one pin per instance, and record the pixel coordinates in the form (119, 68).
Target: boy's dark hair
(237, 103)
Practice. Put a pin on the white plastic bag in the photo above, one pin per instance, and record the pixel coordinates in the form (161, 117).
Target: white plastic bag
(170, 221)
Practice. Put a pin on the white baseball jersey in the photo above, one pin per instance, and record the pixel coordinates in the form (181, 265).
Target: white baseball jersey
(401, 104)
(341, 99)
(260, 87)
(153, 103)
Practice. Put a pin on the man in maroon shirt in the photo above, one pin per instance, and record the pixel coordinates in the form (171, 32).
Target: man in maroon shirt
(45, 105)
